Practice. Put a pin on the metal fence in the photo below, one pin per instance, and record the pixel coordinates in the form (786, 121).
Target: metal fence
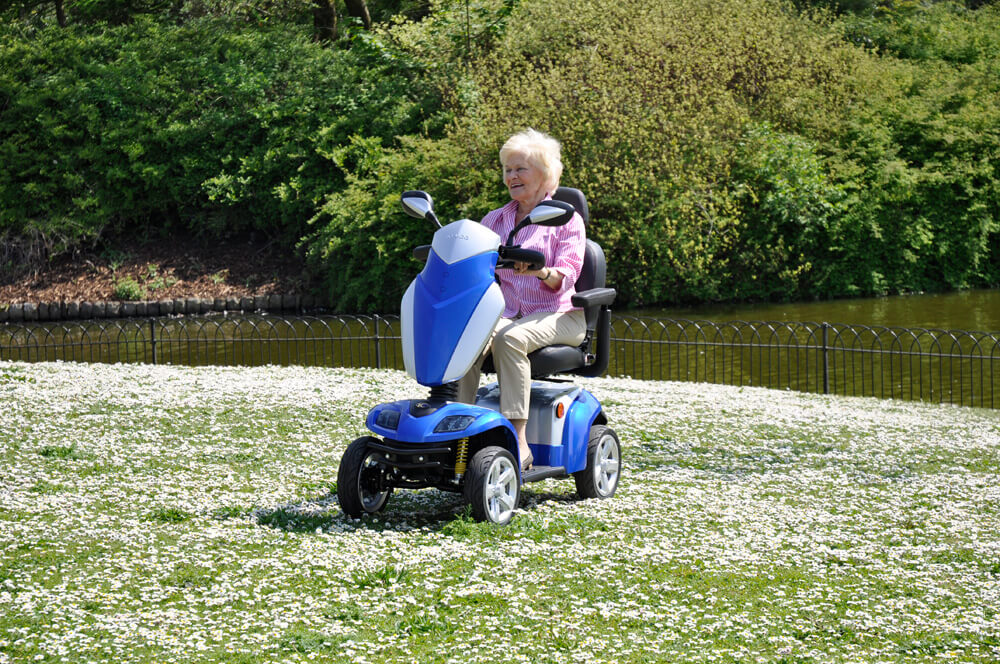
(930, 365)
(943, 366)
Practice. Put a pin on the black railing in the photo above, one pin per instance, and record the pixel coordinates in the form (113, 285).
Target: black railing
(248, 340)
(855, 360)
(929, 365)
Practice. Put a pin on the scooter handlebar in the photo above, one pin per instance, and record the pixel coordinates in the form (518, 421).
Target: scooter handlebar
(511, 255)
(508, 256)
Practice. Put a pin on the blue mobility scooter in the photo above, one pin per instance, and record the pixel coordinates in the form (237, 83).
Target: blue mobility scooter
(447, 315)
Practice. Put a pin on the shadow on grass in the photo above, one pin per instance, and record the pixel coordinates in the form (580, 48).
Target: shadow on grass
(406, 510)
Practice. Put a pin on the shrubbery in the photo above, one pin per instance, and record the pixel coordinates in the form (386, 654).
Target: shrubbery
(730, 149)
(208, 127)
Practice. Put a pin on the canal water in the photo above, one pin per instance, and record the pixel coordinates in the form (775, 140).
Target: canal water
(941, 347)
(977, 310)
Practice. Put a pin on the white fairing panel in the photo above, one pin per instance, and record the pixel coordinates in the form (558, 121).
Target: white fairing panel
(543, 425)
(406, 330)
(462, 239)
(477, 332)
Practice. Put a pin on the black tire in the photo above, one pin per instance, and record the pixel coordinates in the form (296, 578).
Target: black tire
(359, 480)
(604, 463)
(493, 485)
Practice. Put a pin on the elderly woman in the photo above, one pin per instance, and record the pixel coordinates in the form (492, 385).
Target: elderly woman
(538, 310)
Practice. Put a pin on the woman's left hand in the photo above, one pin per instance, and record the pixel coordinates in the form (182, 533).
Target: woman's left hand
(523, 269)
(548, 276)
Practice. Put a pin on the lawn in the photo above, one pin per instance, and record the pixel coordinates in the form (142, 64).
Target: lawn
(171, 514)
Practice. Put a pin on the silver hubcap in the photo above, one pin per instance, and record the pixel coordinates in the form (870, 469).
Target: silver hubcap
(371, 499)
(501, 489)
(606, 466)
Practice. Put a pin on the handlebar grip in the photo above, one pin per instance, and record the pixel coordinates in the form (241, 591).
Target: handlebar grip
(535, 259)
(422, 252)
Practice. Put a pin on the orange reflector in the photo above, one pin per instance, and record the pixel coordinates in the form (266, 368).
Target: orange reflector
(560, 410)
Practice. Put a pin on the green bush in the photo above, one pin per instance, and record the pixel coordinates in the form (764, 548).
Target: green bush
(788, 211)
(765, 158)
(207, 127)
(730, 149)
(652, 114)
(129, 289)
(362, 243)
(921, 160)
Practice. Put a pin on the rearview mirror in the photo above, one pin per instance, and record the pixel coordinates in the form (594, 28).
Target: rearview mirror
(546, 213)
(417, 204)
(551, 213)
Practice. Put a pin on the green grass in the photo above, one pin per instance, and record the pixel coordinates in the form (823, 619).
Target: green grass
(152, 514)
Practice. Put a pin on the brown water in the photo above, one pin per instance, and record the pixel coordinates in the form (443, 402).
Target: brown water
(882, 355)
(977, 310)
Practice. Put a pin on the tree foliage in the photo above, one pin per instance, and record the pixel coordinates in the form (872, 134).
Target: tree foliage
(202, 127)
(731, 149)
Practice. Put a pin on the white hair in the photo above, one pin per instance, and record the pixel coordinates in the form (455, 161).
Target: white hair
(540, 150)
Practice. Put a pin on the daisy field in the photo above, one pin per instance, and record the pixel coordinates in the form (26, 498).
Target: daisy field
(174, 514)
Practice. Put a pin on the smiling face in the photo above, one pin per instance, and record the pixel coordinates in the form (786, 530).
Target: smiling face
(524, 180)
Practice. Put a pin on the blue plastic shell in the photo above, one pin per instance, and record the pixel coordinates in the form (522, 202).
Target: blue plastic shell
(576, 434)
(413, 429)
(445, 297)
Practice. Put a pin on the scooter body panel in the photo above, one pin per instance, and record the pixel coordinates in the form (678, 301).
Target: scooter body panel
(559, 419)
(576, 433)
(450, 309)
(421, 421)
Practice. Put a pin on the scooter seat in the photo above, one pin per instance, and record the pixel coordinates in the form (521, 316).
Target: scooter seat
(549, 360)
(590, 358)
(556, 359)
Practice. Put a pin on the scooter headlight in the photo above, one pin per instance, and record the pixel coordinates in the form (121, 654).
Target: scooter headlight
(454, 423)
(388, 419)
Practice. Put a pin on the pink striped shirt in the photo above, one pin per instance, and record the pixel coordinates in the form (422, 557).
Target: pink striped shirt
(563, 248)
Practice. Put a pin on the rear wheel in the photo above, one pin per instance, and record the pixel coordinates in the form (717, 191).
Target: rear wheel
(604, 462)
(360, 480)
(492, 485)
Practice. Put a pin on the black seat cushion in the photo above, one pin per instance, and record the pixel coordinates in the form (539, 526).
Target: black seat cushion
(549, 360)
(556, 359)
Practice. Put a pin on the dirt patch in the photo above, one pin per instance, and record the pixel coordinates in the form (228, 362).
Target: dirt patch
(165, 269)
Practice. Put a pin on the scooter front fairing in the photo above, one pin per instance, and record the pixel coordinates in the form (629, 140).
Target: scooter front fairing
(450, 310)
(423, 421)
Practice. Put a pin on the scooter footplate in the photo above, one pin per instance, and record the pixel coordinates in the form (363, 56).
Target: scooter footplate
(538, 473)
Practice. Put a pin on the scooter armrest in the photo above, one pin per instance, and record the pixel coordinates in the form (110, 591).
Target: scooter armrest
(594, 297)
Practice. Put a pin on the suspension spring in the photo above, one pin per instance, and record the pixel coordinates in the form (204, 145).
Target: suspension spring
(461, 458)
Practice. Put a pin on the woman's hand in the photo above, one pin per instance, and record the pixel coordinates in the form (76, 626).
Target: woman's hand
(548, 276)
(524, 269)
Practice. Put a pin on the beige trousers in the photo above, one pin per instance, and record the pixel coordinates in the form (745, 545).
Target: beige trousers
(511, 342)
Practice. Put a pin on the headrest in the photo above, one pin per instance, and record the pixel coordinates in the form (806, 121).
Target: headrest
(575, 198)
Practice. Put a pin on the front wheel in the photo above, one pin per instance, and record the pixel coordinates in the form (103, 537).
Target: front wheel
(604, 462)
(492, 485)
(360, 480)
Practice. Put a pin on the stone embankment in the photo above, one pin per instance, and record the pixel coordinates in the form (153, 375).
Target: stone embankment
(54, 311)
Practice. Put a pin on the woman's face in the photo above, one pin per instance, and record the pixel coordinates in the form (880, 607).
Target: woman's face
(524, 180)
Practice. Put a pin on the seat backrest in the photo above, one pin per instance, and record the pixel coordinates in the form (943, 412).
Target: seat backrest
(594, 269)
(575, 198)
(566, 359)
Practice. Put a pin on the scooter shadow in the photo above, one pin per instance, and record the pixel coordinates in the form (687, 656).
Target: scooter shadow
(426, 509)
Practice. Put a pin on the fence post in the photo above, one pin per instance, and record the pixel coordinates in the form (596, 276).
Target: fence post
(378, 356)
(826, 358)
(152, 337)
